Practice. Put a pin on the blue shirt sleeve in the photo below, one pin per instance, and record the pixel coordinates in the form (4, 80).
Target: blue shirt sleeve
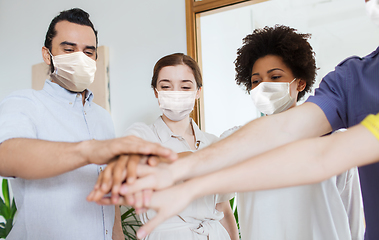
(331, 96)
(350, 93)
(15, 118)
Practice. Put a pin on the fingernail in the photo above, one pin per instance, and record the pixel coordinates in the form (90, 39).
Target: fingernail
(130, 180)
(123, 189)
(115, 189)
(141, 233)
(89, 197)
(104, 186)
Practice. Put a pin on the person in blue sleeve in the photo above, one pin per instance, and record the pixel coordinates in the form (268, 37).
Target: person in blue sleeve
(332, 209)
(55, 142)
(345, 97)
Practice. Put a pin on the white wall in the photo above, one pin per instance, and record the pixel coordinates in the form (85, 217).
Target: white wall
(339, 28)
(225, 103)
(137, 33)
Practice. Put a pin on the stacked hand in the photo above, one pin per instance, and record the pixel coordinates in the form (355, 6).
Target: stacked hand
(140, 181)
(120, 179)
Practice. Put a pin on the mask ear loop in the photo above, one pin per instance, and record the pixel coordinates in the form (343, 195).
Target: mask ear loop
(289, 89)
(51, 61)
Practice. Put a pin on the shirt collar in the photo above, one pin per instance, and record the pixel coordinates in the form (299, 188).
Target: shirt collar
(164, 132)
(199, 135)
(63, 94)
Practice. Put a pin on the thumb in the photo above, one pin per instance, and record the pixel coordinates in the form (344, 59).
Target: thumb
(150, 225)
(153, 161)
(143, 170)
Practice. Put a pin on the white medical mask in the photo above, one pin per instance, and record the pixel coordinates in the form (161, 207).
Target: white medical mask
(176, 105)
(372, 9)
(272, 97)
(73, 71)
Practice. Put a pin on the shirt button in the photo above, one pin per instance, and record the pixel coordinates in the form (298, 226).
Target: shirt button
(101, 169)
(70, 103)
(85, 113)
(106, 231)
(78, 95)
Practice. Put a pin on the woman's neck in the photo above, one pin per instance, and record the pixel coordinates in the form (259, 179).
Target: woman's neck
(181, 128)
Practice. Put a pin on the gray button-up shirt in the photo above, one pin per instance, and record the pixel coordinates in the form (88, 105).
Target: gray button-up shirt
(56, 207)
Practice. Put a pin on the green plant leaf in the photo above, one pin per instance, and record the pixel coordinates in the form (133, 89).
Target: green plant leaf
(130, 224)
(2, 206)
(2, 233)
(7, 210)
(127, 214)
(13, 209)
(8, 225)
(6, 192)
(4, 210)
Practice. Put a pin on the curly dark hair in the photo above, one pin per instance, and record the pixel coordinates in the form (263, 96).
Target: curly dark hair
(282, 41)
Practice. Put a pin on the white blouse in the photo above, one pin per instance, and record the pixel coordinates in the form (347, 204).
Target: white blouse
(200, 220)
(330, 210)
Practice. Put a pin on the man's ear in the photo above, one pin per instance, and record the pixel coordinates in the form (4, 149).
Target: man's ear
(301, 86)
(46, 55)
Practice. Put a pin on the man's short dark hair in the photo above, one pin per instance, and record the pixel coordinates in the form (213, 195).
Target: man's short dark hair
(75, 15)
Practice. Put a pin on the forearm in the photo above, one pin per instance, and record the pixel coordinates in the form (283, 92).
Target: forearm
(34, 159)
(303, 162)
(117, 227)
(228, 221)
(254, 138)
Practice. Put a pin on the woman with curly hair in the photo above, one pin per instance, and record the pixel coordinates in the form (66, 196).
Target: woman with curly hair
(277, 67)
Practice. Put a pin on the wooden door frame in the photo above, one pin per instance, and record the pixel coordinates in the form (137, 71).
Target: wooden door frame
(193, 8)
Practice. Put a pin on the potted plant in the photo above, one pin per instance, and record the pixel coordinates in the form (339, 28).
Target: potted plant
(7, 210)
(130, 224)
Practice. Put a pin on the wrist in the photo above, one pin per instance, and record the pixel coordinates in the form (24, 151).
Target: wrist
(190, 189)
(83, 149)
(179, 170)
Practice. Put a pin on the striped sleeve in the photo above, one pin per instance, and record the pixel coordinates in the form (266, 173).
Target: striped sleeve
(371, 122)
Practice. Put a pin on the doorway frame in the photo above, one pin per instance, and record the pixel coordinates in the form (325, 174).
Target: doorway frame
(193, 10)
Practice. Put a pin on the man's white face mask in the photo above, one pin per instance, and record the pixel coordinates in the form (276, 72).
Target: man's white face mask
(372, 8)
(176, 105)
(272, 97)
(73, 71)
